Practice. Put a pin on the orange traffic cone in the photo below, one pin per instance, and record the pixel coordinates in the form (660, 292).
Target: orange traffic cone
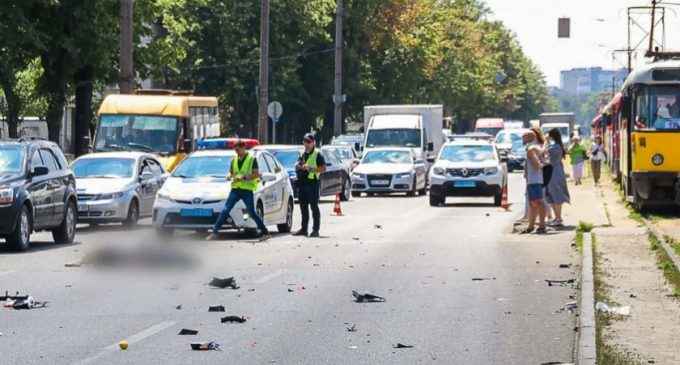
(337, 210)
(504, 198)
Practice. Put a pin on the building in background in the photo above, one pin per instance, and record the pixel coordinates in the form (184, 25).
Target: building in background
(579, 81)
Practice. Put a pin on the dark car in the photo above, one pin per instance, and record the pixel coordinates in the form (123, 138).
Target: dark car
(336, 179)
(37, 192)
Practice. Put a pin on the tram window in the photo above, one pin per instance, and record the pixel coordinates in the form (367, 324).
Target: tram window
(658, 108)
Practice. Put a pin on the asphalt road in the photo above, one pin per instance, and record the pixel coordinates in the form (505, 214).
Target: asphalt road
(296, 292)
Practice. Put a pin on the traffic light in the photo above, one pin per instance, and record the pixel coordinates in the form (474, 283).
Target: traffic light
(563, 27)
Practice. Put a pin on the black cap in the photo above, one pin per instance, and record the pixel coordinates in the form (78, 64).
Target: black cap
(309, 137)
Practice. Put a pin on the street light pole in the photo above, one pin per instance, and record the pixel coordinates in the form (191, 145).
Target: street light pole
(263, 120)
(338, 98)
(127, 72)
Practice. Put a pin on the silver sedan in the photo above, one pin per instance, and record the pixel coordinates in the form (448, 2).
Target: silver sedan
(116, 186)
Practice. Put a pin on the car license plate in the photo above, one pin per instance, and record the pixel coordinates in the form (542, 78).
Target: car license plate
(83, 207)
(380, 182)
(464, 184)
(196, 212)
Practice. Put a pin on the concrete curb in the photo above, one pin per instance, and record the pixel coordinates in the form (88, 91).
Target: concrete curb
(662, 239)
(587, 347)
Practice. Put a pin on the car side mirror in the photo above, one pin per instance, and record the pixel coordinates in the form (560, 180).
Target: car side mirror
(186, 145)
(268, 177)
(40, 171)
(430, 146)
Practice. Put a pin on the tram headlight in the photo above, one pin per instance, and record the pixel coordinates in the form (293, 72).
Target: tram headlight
(657, 159)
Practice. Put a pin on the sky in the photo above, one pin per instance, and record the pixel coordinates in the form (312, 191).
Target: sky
(597, 28)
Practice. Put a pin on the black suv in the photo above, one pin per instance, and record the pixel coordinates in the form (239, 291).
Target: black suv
(37, 192)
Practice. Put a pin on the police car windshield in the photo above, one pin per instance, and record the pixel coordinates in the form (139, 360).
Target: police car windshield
(11, 159)
(204, 166)
(462, 153)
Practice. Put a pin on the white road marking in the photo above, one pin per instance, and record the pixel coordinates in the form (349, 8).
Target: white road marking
(268, 277)
(132, 339)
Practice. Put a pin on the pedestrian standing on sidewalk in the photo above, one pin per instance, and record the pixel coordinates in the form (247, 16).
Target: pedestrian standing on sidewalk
(309, 168)
(577, 155)
(542, 140)
(245, 178)
(534, 180)
(557, 192)
(597, 156)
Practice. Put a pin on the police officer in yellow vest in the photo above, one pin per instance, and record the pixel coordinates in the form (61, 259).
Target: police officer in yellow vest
(309, 168)
(245, 179)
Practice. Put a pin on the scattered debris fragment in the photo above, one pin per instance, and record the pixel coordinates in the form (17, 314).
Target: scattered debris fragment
(179, 307)
(353, 347)
(352, 328)
(571, 307)
(290, 290)
(633, 295)
(565, 266)
(187, 332)
(73, 264)
(205, 346)
(356, 238)
(21, 301)
(224, 283)
(560, 282)
(216, 308)
(605, 308)
(368, 298)
(377, 226)
(233, 319)
(123, 345)
(483, 279)
(402, 346)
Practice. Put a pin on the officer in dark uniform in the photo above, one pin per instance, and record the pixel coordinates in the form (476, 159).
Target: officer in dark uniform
(309, 168)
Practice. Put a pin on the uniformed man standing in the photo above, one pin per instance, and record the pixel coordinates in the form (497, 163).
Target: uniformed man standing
(309, 168)
(245, 179)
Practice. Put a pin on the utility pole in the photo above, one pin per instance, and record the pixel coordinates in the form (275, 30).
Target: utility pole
(263, 120)
(127, 72)
(338, 98)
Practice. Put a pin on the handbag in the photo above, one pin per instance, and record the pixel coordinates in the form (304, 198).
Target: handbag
(547, 174)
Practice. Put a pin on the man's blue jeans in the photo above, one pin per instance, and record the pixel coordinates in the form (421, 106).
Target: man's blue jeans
(234, 197)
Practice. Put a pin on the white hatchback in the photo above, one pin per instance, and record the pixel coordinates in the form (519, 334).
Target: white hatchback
(468, 168)
(194, 195)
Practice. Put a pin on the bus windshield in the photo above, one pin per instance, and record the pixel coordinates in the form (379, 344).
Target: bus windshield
(658, 108)
(137, 132)
(393, 138)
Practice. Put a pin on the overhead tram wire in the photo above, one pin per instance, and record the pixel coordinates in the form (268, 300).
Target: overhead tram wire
(272, 59)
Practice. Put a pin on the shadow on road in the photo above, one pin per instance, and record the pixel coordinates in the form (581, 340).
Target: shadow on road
(112, 227)
(37, 246)
(469, 205)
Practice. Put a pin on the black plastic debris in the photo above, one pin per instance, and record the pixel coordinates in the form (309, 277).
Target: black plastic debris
(21, 301)
(560, 282)
(565, 266)
(483, 279)
(187, 332)
(377, 226)
(224, 283)
(402, 346)
(290, 290)
(367, 298)
(233, 319)
(352, 328)
(179, 307)
(216, 308)
(74, 264)
(205, 346)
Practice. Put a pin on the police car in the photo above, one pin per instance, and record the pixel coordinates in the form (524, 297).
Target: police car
(194, 195)
(468, 168)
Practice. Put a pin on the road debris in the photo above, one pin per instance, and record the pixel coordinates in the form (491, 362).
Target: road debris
(605, 308)
(123, 345)
(483, 279)
(233, 319)
(377, 226)
(352, 328)
(21, 301)
(187, 332)
(224, 283)
(179, 307)
(368, 298)
(205, 346)
(402, 346)
(216, 308)
(571, 307)
(565, 266)
(560, 282)
(73, 264)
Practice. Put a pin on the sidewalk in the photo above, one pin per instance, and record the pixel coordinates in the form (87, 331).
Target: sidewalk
(627, 274)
